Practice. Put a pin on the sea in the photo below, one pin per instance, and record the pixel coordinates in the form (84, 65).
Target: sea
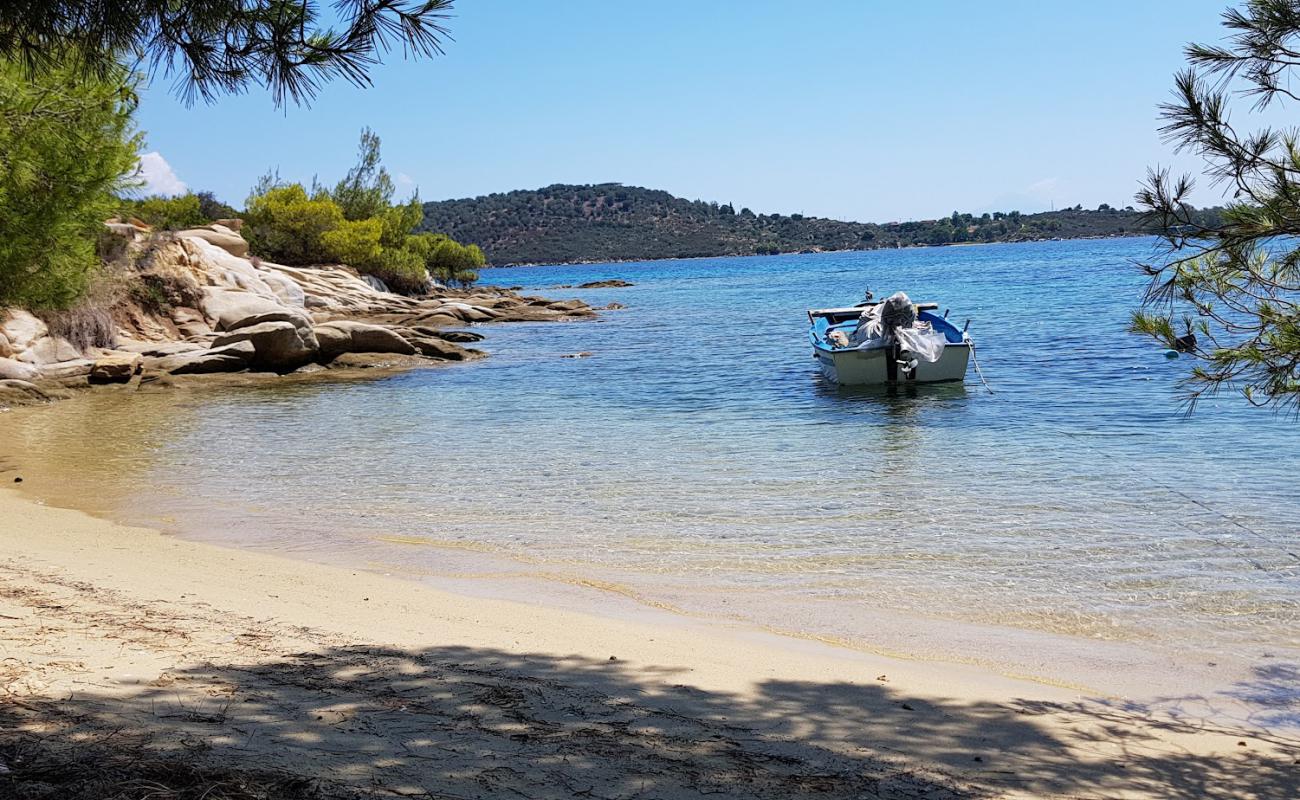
(1062, 518)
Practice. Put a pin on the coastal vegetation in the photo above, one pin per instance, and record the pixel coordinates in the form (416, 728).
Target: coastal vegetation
(358, 224)
(1230, 291)
(67, 145)
(610, 221)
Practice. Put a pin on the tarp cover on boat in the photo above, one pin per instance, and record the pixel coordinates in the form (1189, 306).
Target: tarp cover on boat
(896, 316)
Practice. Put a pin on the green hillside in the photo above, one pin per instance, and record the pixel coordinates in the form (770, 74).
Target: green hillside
(611, 222)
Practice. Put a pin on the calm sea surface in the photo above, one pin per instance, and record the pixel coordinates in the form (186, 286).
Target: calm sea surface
(696, 460)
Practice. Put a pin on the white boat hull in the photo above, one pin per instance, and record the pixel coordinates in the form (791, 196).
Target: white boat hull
(871, 367)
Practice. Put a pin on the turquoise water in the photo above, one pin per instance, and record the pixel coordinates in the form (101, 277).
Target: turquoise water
(697, 459)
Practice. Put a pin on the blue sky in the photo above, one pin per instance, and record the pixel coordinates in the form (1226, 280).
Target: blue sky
(854, 110)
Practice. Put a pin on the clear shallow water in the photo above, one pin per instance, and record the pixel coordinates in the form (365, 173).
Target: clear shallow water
(698, 460)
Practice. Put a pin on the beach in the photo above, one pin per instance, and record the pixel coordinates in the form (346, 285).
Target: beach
(123, 637)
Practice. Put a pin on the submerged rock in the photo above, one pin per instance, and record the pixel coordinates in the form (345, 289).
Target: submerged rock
(614, 283)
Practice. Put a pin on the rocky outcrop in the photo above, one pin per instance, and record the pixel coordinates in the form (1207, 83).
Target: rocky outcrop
(221, 236)
(218, 310)
(278, 345)
(344, 336)
(230, 358)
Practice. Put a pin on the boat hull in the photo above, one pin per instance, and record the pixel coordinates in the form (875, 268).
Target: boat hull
(871, 367)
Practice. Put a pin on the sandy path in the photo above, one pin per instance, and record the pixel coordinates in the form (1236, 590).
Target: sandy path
(119, 637)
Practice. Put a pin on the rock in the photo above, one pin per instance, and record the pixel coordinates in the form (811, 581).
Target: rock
(235, 225)
(5, 349)
(450, 336)
(125, 230)
(345, 336)
(610, 284)
(377, 360)
(568, 305)
(231, 358)
(64, 370)
(115, 367)
(614, 307)
(17, 370)
(231, 310)
(279, 346)
(375, 283)
(22, 329)
(286, 289)
(219, 235)
(20, 392)
(466, 312)
(49, 350)
(159, 349)
(433, 347)
(190, 322)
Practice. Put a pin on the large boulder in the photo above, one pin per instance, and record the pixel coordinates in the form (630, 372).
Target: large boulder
(50, 350)
(71, 369)
(231, 358)
(345, 336)
(22, 328)
(17, 370)
(115, 367)
(279, 346)
(221, 236)
(230, 310)
(6, 349)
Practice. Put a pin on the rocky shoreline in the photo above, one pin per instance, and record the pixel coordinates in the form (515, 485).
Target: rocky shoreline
(197, 304)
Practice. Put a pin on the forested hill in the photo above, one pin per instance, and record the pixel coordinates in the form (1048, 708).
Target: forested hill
(611, 222)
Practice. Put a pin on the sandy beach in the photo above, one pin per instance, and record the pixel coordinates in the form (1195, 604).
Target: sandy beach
(123, 638)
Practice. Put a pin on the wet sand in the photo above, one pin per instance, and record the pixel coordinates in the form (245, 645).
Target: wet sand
(370, 683)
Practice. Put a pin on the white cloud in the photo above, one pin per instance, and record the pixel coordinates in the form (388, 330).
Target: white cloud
(405, 181)
(158, 176)
(1044, 188)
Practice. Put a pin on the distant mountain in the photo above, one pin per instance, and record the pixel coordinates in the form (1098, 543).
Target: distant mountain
(612, 222)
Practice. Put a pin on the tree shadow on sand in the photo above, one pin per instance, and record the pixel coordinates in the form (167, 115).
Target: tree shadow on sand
(456, 722)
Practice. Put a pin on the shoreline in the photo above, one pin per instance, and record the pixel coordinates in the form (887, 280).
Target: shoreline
(233, 624)
(586, 263)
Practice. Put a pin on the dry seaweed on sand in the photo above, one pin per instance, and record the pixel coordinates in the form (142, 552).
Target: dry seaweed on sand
(49, 768)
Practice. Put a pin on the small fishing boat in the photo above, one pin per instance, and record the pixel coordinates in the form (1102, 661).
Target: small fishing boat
(888, 341)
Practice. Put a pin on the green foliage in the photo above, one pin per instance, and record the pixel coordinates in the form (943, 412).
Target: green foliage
(1232, 282)
(447, 260)
(367, 191)
(403, 270)
(220, 47)
(166, 213)
(610, 221)
(66, 146)
(285, 225)
(356, 224)
(355, 243)
(399, 221)
(210, 208)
